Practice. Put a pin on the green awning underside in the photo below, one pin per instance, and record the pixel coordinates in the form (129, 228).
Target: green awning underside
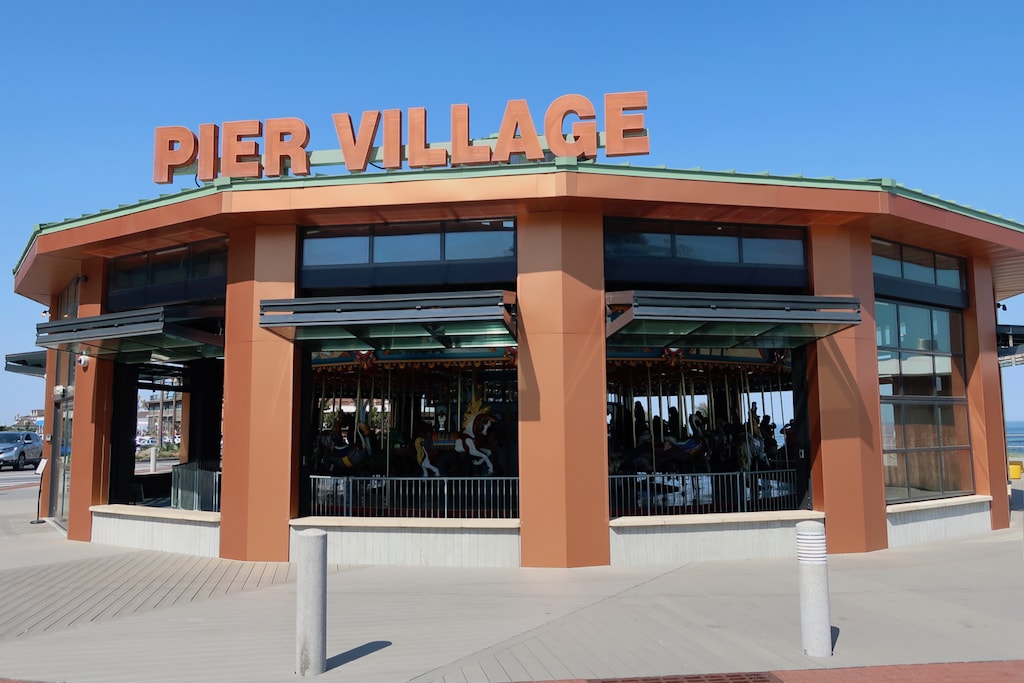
(395, 323)
(645, 320)
(150, 335)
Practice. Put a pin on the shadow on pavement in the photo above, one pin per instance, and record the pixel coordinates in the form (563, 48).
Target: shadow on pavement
(356, 653)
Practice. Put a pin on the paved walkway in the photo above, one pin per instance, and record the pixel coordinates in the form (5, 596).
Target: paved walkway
(75, 612)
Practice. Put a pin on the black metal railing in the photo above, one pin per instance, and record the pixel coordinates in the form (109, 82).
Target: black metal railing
(682, 494)
(434, 497)
(498, 497)
(196, 486)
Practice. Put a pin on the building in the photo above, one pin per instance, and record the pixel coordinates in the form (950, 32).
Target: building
(574, 301)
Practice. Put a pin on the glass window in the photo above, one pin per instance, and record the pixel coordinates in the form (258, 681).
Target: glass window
(129, 272)
(885, 324)
(957, 475)
(924, 474)
(917, 374)
(885, 258)
(336, 251)
(888, 426)
(407, 248)
(925, 435)
(920, 430)
(895, 473)
(775, 252)
(629, 243)
(888, 373)
(915, 328)
(708, 248)
(475, 245)
(918, 265)
(169, 266)
(953, 425)
(948, 271)
(209, 259)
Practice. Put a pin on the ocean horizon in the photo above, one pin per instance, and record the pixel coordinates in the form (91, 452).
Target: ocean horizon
(1015, 437)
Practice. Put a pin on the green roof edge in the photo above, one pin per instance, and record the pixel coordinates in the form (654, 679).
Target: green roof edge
(558, 165)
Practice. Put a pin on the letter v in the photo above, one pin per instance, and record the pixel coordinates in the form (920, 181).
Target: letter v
(356, 150)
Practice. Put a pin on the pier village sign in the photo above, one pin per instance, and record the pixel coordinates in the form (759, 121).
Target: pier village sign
(233, 150)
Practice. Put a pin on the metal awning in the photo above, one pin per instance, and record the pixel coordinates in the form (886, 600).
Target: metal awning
(395, 322)
(160, 334)
(31, 363)
(648, 319)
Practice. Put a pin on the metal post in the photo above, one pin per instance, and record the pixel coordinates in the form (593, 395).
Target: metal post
(311, 603)
(815, 624)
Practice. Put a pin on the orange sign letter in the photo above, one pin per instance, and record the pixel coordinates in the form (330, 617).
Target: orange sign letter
(584, 131)
(173, 147)
(294, 147)
(626, 134)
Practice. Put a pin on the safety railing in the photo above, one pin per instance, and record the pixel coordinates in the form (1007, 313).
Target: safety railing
(196, 486)
(434, 497)
(681, 494)
(498, 497)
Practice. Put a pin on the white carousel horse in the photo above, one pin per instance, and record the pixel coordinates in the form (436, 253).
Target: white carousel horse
(475, 425)
(423, 458)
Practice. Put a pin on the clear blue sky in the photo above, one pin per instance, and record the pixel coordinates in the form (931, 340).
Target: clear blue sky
(929, 94)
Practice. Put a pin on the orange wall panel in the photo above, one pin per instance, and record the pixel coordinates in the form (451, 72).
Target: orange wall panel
(984, 393)
(260, 466)
(562, 390)
(93, 405)
(843, 407)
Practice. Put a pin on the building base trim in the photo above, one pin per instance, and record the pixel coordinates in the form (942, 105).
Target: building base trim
(677, 539)
(188, 532)
(938, 520)
(416, 542)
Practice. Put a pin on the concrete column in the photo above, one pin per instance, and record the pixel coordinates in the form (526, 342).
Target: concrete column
(311, 602)
(843, 406)
(259, 489)
(815, 621)
(563, 450)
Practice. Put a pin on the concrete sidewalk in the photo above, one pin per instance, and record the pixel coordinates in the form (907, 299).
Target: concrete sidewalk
(79, 612)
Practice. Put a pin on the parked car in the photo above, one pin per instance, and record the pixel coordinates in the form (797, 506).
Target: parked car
(19, 449)
(144, 441)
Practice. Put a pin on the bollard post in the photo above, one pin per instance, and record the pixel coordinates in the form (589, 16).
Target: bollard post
(311, 603)
(815, 623)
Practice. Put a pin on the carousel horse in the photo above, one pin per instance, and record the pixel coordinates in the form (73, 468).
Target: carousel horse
(351, 456)
(750, 448)
(423, 458)
(474, 427)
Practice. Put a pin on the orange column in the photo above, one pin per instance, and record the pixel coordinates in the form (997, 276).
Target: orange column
(93, 404)
(843, 406)
(563, 450)
(984, 392)
(260, 466)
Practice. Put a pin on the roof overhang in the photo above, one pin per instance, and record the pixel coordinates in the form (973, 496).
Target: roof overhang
(648, 319)
(31, 363)
(395, 323)
(159, 335)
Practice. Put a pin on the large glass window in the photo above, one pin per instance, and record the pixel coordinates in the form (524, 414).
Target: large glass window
(925, 436)
(917, 265)
(409, 243)
(196, 272)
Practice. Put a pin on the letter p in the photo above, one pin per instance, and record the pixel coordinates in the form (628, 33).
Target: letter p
(173, 147)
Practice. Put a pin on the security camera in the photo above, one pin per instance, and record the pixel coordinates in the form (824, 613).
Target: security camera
(83, 361)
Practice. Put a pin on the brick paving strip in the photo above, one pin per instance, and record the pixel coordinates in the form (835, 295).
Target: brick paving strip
(954, 672)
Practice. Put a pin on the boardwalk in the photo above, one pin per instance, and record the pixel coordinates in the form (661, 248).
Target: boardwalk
(80, 613)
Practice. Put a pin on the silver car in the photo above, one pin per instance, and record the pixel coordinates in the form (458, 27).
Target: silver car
(19, 449)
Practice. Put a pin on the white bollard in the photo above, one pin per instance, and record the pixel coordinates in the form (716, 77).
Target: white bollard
(815, 624)
(311, 603)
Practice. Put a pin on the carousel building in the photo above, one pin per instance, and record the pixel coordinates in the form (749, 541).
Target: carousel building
(553, 363)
